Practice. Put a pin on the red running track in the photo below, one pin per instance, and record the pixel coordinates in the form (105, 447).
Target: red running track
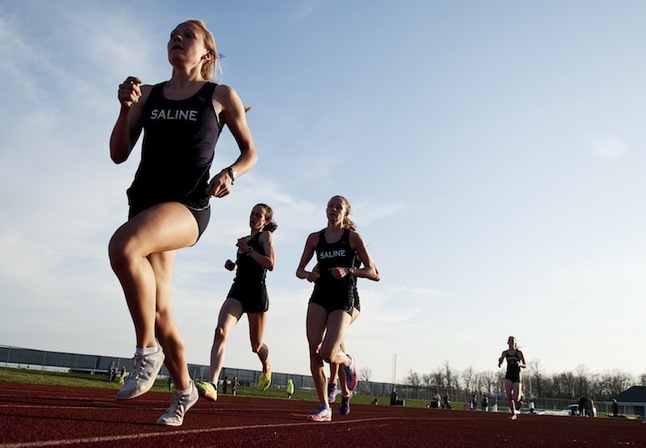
(47, 416)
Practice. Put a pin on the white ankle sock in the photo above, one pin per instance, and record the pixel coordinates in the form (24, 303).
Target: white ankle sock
(187, 391)
(144, 351)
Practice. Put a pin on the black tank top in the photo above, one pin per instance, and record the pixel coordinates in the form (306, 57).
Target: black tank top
(513, 361)
(333, 255)
(177, 150)
(248, 270)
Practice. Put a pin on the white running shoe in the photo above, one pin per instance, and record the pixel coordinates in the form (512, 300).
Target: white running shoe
(180, 403)
(142, 376)
(322, 414)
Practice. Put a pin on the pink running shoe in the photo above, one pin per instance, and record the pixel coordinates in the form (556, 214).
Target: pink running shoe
(322, 414)
(351, 373)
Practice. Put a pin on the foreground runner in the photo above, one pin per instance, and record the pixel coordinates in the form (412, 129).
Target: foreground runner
(169, 198)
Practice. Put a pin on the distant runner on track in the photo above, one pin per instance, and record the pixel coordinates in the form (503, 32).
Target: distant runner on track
(515, 361)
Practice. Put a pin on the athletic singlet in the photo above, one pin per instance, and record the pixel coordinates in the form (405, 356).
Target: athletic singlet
(329, 292)
(248, 271)
(177, 150)
(249, 282)
(513, 367)
(333, 255)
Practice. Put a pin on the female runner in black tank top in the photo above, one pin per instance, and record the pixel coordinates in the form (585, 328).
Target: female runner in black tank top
(515, 361)
(248, 294)
(330, 309)
(169, 197)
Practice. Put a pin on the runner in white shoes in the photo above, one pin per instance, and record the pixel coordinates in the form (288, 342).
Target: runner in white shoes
(181, 120)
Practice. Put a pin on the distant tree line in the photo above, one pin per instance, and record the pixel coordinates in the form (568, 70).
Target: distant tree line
(536, 383)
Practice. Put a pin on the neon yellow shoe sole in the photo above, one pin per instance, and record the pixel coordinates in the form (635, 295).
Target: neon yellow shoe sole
(265, 380)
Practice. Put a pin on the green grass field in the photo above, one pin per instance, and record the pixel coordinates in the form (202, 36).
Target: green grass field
(99, 381)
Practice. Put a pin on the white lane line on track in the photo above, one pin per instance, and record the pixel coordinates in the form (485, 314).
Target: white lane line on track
(179, 432)
(74, 408)
(133, 408)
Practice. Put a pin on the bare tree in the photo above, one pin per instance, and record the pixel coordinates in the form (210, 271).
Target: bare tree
(452, 380)
(615, 382)
(535, 378)
(468, 376)
(561, 385)
(486, 381)
(499, 380)
(413, 378)
(566, 385)
(438, 377)
(365, 373)
(582, 382)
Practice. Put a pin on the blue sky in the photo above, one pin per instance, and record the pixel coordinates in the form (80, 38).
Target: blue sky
(493, 153)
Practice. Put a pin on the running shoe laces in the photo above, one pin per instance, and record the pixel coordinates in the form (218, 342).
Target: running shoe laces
(180, 403)
(142, 376)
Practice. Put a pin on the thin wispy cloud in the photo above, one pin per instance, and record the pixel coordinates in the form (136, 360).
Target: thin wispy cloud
(607, 147)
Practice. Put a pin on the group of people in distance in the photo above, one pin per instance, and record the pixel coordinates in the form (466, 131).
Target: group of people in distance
(181, 120)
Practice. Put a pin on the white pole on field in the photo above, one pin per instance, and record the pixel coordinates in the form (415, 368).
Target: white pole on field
(394, 369)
